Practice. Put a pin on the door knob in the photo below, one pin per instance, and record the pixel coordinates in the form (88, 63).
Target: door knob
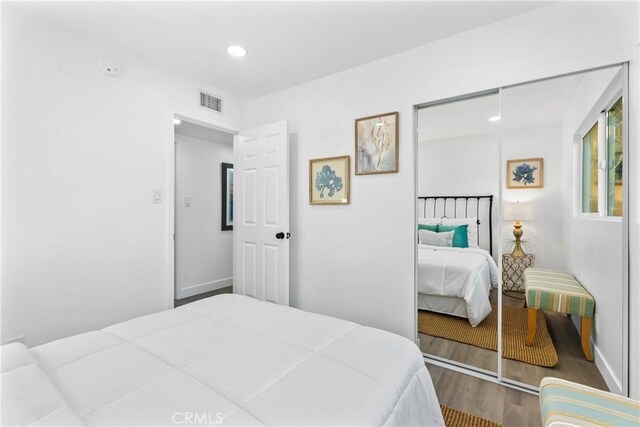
(280, 235)
(288, 235)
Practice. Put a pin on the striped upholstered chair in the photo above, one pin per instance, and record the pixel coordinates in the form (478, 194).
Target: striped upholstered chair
(563, 403)
(558, 291)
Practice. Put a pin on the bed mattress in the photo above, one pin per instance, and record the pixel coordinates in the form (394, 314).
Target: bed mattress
(452, 306)
(466, 274)
(224, 360)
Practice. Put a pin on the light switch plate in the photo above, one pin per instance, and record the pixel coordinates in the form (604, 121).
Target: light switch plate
(187, 202)
(157, 197)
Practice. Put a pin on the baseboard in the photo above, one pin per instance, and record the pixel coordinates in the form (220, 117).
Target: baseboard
(601, 363)
(200, 288)
(607, 373)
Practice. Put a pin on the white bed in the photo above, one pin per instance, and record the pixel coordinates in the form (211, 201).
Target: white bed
(456, 281)
(224, 360)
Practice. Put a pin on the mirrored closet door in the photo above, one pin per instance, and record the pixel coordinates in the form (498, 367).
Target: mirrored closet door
(458, 181)
(562, 201)
(520, 228)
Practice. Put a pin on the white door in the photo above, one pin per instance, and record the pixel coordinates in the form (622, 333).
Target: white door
(261, 213)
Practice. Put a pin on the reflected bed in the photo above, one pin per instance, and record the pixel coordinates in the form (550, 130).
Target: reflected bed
(457, 280)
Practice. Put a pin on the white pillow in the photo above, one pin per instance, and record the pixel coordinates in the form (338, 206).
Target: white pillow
(429, 221)
(432, 238)
(472, 229)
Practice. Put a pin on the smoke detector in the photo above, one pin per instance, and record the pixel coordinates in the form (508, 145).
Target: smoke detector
(108, 66)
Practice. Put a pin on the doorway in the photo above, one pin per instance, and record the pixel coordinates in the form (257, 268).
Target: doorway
(203, 207)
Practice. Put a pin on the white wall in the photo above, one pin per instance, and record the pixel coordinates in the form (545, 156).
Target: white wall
(634, 224)
(464, 166)
(356, 261)
(594, 246)
(83, 246)
(204, 252)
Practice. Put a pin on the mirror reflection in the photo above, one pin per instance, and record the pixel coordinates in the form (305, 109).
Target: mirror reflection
(458, 180)
(562, 229)
(520, 231)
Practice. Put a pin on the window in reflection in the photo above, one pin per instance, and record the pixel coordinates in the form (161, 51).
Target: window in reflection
(590, 171)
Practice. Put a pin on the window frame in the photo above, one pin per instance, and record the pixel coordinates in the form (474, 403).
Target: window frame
(598, 114)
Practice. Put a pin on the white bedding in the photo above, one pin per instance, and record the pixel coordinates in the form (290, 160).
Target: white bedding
(466, 273)
(224, 360)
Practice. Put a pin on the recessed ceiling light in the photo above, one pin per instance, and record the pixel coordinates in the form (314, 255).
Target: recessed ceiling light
(237, 51)
(177, 121)
(494, 119)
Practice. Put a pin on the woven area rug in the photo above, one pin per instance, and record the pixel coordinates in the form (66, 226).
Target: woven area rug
(485, 335)
(455, 418)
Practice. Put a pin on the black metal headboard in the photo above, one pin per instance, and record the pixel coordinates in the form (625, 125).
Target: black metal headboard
(432, 206)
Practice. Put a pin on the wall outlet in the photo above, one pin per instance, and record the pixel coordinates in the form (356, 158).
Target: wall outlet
(595, 323)
(19, 338)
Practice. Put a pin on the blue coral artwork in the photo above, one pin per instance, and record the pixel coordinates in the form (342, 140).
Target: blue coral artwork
(525, 173)
(329, 181)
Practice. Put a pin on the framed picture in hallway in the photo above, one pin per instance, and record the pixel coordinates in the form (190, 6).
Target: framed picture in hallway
(227, 196)
(377, 144)
(329, 181)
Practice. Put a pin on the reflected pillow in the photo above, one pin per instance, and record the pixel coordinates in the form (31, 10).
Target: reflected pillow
(433, 238)
(429, 221)
(460, 236)
(472, 230)
(428, 227)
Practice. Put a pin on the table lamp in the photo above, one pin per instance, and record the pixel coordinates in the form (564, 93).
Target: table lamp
(518, 212)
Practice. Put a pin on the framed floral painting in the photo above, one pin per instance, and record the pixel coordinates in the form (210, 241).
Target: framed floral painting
(329, 181)
(525, 173)
(377, 144)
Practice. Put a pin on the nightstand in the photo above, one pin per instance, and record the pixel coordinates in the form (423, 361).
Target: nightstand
(512, 274)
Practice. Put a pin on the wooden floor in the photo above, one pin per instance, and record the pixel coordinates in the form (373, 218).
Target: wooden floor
(183, 301)
(487, 400)
(572, 365)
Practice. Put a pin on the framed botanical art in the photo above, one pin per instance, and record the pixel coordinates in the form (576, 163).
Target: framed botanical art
(329, 181)
(525, 173)
(377, 144)
(227, 196)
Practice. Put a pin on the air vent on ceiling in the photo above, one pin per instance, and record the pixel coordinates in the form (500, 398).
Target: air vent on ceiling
(211, 102)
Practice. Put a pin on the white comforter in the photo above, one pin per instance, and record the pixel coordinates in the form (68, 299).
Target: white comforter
(225, 360)
(466, 273)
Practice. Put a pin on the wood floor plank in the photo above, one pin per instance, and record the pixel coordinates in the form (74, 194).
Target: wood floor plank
(572, 364)
(183, 301)
(485, 399)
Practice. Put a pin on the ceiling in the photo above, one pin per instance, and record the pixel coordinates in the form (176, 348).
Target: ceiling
(461, 118)
(288, 43)
(527, 105)
(206, 133)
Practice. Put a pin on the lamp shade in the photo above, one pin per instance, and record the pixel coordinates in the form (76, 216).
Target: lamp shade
(518, 211)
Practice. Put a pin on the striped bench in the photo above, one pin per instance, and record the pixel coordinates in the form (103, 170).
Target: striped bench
(563, 403)
(558, 291)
